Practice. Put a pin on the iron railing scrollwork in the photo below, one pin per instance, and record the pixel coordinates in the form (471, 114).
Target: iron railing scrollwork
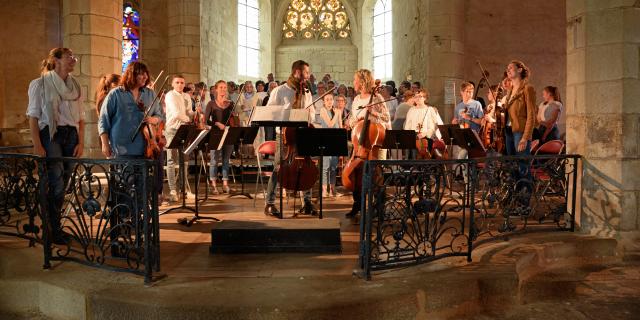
(19, 211)
(420, 211)
(109, 218)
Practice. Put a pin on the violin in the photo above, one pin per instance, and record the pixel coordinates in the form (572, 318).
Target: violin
(198, 117)
(367, 138)
(234, 118)
(464, 123)
(493, 134)
(296, 173)
(422, 144)
(153, 135)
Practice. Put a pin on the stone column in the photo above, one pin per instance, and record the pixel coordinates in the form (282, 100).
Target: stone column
(93, 30)
(603, 112)
(446, 50)
(184, 38)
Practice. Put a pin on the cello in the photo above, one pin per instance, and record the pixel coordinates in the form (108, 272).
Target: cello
(296, 173)
(367, 138)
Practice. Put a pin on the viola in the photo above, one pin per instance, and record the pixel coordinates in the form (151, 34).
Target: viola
(296, 173)
(367, 138)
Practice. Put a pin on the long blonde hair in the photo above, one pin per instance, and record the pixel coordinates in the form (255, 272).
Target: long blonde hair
(49, 63)
(366, 79)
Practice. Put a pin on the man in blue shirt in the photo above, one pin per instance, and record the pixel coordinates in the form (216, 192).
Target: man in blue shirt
(468, 112)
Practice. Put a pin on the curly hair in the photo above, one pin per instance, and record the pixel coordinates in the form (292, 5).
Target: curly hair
(366, 79)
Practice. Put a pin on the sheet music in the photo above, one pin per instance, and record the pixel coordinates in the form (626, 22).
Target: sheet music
(279, 113)
(224, 137)
(196, 141)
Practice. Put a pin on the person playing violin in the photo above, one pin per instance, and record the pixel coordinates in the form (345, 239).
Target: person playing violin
(123, 110)
(178, 106)
(284, 95)
(468, 114)
(423, 119)
(363, 83)
(217, 114)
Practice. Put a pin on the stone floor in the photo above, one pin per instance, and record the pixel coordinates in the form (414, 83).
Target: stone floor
(547, 276)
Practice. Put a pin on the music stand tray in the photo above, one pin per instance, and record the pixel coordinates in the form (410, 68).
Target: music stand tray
(399, 139)
(322, 143)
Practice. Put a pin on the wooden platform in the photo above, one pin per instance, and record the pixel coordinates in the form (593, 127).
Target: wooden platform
(287, 235)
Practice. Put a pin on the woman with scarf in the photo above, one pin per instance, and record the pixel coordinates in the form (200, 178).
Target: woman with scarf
(56, 120)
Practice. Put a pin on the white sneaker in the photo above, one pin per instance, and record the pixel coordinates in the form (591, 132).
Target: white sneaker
(173, 196)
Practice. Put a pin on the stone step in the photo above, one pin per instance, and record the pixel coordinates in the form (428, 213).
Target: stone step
(271, 235)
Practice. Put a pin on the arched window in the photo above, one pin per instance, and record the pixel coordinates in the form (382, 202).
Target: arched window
(130, 35)
(316, 19)
(248, 38)
(382, 40)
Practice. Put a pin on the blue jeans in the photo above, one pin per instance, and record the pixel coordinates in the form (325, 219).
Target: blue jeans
(225, 153)
(63, 144)
(329, 168)
(511, 140)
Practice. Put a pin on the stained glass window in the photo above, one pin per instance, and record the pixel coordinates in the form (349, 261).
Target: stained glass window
(382, 40)
(316, 19)
(248, 38)
(130, 35)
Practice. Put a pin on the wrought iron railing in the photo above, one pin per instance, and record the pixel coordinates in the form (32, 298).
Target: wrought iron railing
(109, 217)
(420, 211)
(19, 211)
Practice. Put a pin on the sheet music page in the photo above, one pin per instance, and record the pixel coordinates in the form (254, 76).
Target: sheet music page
(196, 141)
(224, 137)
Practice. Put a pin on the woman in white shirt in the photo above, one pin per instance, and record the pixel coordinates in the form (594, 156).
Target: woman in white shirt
(548, 114)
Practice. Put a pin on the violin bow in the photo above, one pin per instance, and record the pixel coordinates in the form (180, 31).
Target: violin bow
(146, 112)
(322, 96)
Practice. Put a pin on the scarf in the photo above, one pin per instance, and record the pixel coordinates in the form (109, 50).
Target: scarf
(57, 90)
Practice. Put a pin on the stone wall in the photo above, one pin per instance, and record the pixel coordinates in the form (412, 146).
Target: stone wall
(184, 38)
(603, 113)
(411, 33)
(93, 30)
(219, 41)
(32, 28)
(339, 60)
(499, 31)
(154, 33)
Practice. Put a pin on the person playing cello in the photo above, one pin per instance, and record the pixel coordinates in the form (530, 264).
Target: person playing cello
(284, 95)
(378, 115)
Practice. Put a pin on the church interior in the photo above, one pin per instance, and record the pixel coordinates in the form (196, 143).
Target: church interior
(550, 231)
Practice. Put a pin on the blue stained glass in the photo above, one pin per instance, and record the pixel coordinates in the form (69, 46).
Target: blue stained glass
(130, 35)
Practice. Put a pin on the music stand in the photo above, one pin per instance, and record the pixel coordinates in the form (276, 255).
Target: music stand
(446, 130)
(211, 142)
(322, 142)
(242, 135)
(193, 146)
(279, 116)
(399, 139)
(184, 134)
(469, 140)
